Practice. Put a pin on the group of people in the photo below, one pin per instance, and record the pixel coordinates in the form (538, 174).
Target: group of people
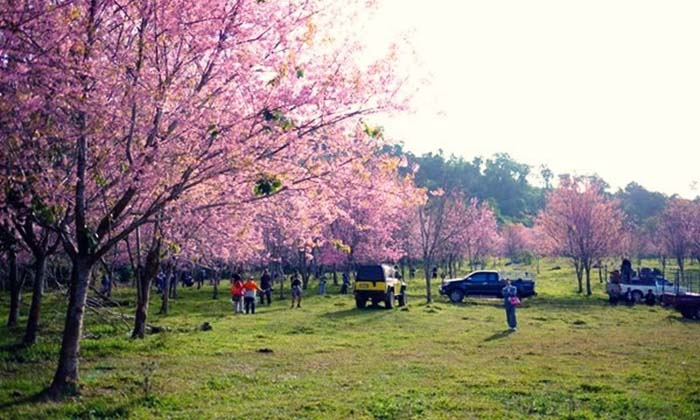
(623, 276)
(616, 295)
(244, 293)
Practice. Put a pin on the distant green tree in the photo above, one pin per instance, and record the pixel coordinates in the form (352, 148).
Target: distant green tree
(642, 206)
(500, 180)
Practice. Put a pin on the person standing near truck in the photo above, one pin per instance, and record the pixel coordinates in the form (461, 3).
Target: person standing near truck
(510, 301)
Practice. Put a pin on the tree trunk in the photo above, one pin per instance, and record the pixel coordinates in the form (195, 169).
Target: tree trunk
(173, 285)
(587, 267)
(663, 266)
(579, 275)
(282, 286)
(216, 285)
(143, 294)
(680, 269)
(144, 291)
(428, 274)
(15, 291)
(166, 292)
(65, 381)
(35, 309)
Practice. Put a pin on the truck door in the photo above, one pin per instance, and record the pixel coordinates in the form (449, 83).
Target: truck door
(493, 285)
(477, 284)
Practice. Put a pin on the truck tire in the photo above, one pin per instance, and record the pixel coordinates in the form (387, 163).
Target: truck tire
(403, 298)
(637, 296)
(389, 302)
(697, 313)
(360, 301)
(687, 313)
(456, 296)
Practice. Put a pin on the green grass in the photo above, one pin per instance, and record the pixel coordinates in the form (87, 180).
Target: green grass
(572, 357)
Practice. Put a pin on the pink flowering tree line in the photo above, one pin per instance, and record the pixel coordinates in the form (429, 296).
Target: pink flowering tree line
(112, 113)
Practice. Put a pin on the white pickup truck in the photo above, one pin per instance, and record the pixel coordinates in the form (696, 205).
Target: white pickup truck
(640, 288)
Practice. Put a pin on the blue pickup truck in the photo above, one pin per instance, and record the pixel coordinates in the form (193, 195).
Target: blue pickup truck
(483, 283)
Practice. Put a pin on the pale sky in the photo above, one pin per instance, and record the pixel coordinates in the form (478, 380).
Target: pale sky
(609, 87)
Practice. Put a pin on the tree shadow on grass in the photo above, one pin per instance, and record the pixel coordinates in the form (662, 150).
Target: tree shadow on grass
(31, 399)
(677, 317)
(564, 302)
(12, 347)
(117, 411)
(499, 335)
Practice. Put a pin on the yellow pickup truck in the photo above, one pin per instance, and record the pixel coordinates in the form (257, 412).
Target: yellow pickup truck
(378, 283)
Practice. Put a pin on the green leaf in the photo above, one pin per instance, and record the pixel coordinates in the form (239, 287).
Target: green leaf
(267, 185)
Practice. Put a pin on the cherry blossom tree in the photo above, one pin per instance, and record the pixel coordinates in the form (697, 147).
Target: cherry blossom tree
(581, 223)
(695, 233)
(481, 235)
(677, 226)
(370, 212)
(515, 240)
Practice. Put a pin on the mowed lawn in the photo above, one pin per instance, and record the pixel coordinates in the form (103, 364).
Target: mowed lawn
(572, 357)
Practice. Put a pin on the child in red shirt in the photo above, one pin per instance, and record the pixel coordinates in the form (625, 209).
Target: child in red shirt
(237, 291)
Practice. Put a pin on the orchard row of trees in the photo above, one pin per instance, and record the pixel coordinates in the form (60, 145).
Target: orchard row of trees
(152, 133)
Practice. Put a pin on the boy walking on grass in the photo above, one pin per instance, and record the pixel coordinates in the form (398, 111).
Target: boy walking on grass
(249, 292)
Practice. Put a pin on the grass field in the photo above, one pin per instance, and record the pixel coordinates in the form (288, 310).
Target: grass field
(572, 357)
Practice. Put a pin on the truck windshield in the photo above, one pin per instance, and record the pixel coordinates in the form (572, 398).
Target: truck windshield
(370, 273)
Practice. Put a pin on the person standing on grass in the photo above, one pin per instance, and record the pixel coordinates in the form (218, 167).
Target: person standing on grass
(250, 287)
(296, 290)
(322, 284)
(346, 283)
(266, 286)
(237, 293)
(509, 292)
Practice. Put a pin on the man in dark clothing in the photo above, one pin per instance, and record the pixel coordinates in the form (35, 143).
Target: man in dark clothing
(296, 290)
(187, 279)
(649, 298)
(266, 286)
(626, 270)
(106, 285)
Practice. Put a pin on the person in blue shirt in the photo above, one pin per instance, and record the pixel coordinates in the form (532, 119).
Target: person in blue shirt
(509, 292)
